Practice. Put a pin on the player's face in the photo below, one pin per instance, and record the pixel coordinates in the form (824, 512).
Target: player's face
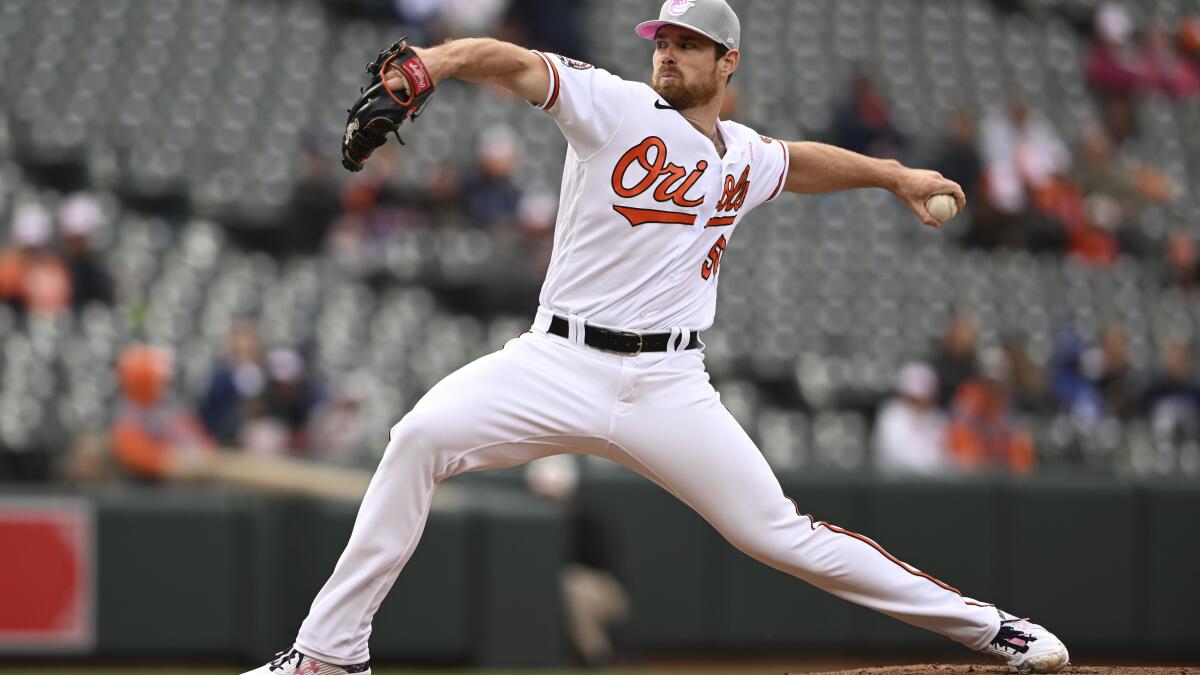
(685, 68)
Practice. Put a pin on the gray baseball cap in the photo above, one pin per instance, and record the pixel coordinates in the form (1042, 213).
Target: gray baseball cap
(714, 19)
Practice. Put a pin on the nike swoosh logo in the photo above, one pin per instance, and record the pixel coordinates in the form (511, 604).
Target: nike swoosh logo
(663, 106)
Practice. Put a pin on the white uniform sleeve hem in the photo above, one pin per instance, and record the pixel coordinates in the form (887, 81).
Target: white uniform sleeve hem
(787, 157)
(552, 91)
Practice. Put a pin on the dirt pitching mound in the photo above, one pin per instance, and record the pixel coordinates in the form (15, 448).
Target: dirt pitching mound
(1004, 670)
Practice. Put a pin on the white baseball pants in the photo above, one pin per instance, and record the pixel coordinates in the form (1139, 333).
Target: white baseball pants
(655, 413)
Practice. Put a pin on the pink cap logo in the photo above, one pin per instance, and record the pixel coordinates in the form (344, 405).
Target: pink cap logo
(679, 7)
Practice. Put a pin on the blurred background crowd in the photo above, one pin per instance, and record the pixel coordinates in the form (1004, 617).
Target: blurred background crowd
(185, 267)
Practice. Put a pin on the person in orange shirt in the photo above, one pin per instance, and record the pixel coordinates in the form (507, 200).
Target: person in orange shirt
(32, 277)
(982, 433)
(151, 438)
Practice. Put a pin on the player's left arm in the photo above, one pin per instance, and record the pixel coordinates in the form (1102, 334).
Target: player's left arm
(816, 167)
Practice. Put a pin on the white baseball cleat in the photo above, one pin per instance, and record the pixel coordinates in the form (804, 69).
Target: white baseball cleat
(1027, 646)
(292, 662)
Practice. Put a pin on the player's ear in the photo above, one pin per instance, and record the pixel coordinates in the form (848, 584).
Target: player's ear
(729, 62)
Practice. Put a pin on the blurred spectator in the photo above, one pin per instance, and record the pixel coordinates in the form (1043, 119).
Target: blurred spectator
(32, 277)
(521, 256)
(1182, 263)
(730, 103)
(1076, 392)
(316, 204)
(593, 597)
(377, 204)
(235, 385)
(1116, 192)
(88, 461)
(336, 431)
(78, 218)
(30, 225)
(444, 196)
(910, 432)
(432, 21)
(151, 438)
(1087, 225)
(536, 216)
(423, 17)
(954, 359)
(1163, 68)
(467, 18)
(983, 433)
(1113, 66)
(1112, 374)
(280, 419)
(1187, 38)
(958, 159)
(550, 25)
(1021, 152)
(1119, 119)
(1118, 71)
(863, 122)
(1028, 379)
(492, 197)
(1173, 398)
(1023, 196)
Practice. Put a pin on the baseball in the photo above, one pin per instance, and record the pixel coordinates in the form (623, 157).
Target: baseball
(942, 207)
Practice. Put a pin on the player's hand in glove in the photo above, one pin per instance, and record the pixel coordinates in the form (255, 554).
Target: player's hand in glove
(398, 88)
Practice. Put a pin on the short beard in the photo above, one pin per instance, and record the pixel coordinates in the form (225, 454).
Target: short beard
(683, 96)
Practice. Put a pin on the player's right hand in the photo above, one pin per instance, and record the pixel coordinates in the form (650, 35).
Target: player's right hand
(916, 186)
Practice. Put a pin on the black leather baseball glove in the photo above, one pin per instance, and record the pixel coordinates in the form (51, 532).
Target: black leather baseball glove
(379, 110)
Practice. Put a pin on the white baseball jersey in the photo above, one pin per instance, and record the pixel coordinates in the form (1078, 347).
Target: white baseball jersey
(647, 204)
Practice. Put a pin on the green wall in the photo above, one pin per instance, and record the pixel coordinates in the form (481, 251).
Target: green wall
(1108, 565)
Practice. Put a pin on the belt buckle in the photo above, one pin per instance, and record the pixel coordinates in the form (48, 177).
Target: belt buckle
(641, 343)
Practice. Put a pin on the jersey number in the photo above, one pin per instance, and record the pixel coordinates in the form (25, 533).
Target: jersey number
(709, 267)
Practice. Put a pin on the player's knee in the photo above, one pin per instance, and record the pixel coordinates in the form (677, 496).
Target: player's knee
(770, 539)
(761, 546)
(414, 436)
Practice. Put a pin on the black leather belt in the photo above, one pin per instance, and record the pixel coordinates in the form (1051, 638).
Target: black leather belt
(620, 341)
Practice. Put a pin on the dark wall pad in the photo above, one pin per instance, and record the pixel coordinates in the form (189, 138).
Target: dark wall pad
(1072, 561)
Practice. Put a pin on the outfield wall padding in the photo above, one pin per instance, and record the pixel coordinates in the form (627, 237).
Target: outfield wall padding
(1109, 564)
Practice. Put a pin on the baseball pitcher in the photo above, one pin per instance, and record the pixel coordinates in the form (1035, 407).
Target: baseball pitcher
(653, 187)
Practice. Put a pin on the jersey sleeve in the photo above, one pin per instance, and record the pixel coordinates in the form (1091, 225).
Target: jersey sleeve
(769, 166)
(587, 103)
